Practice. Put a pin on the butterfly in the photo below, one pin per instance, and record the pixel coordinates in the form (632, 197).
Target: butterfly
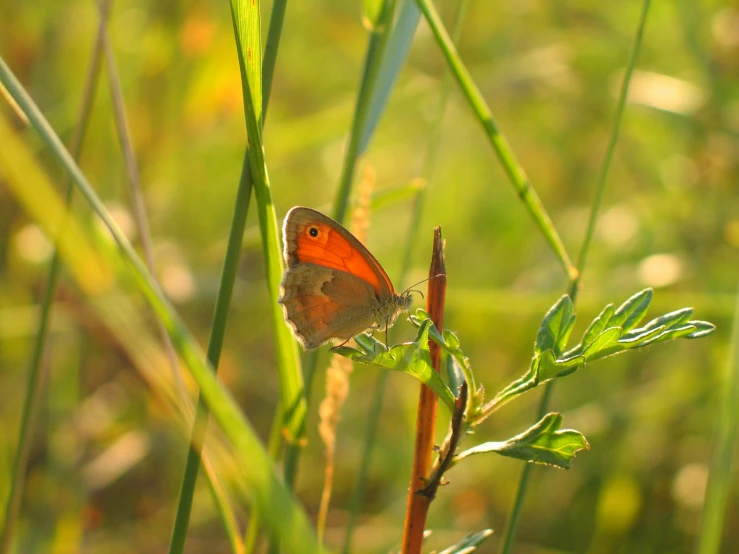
(333, 288)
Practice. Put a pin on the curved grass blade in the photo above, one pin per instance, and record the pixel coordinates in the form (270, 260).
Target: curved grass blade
(283, 515)
(36, 375)
(393, 57)
(506, 157)
(379, 32)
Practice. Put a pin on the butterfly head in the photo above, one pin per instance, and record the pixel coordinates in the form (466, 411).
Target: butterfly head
(405, 298)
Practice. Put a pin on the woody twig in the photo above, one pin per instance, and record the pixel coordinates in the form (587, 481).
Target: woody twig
(418, 504)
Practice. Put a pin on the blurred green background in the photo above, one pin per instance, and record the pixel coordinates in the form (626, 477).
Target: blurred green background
(106, 463)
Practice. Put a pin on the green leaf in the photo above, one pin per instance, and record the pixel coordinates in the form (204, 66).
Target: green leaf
(702, 329)
(556, 327)
(612, 332)
(412, 358)
(454, 375)
(630, 313)
(449, 342)
(602, 342)
(543, 443)
(469, 543)
(598, 325)
(668, 320)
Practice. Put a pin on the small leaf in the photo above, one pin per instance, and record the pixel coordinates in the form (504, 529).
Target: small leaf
(450, 344)
(602, 342)
(640, 334)
(671, 319)
(598, 325)
(556, 327)
(559, 368)
(630, 313)
(612, 332)
(546, 369)
(454, 375)
(412, 358)
(451, 339)
(703, 329)
(543, 443)
(469, 543)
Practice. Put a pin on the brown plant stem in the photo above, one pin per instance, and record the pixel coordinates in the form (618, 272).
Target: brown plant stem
(447, 450)
(418, 504)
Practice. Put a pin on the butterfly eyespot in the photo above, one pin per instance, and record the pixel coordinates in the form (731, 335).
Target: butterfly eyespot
(313, 232)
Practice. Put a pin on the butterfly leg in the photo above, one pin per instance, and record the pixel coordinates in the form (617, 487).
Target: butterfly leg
(342, 344)
(387, 342)
(354, 334)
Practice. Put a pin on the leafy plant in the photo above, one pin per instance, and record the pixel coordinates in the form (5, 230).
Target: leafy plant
(613, 331)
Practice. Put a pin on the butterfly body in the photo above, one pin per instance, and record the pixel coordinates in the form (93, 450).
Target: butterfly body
(333, 288)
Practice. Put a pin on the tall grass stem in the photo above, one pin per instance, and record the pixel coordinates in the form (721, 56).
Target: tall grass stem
(725, 439)
(503, 151)
(36, 375)
(512, 525)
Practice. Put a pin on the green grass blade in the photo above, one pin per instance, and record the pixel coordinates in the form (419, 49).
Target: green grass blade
(250, 26)
(282, 514)
(509, 534)
(725, 439)
(291, 378)
(35, 379)
(393, 57)
(507, 158)
(215, 345)
(377, 41)
(612, 140)
(418, 204)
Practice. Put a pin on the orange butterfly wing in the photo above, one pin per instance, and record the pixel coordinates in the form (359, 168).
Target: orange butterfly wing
(313, 238)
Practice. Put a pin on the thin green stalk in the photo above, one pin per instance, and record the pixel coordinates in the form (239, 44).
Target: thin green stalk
(257, 482)
(377, 41)
(36, 376)
(433, 145)
(727, 430)
(245, 20)
(511, 527)
(276, 19)
(220, 314)
(606, 165)
(273, 448)
(215, 345)
(292, 404)
(137, 198)
(418, 203)
(506, 157)
(369, 442)
(139, 210)
(220, 498)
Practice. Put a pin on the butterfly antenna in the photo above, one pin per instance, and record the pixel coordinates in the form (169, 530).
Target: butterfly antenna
(419, 282)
